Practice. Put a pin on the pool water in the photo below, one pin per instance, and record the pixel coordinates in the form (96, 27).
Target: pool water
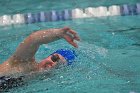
(107, 61)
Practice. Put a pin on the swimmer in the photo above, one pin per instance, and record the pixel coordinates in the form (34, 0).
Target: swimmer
(23, 60)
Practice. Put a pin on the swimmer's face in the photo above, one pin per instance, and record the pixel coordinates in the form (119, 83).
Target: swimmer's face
(52, 61)
(55, 59)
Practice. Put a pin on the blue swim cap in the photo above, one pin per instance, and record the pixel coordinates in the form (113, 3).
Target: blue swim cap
(69, 55)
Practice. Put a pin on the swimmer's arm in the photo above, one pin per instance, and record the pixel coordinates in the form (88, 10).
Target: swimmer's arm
(27, 49)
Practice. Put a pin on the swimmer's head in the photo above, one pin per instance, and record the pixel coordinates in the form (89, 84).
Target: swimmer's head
(69, 55)
(58, 57)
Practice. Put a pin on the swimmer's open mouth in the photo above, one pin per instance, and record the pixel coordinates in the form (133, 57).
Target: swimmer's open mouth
(55, 58)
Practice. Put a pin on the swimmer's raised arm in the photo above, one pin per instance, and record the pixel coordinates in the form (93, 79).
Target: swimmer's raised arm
(27, 49)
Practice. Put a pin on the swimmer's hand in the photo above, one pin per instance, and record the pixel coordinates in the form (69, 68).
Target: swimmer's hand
(70, 35)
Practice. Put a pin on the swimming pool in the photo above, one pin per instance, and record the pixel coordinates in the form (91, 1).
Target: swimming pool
(108, 54)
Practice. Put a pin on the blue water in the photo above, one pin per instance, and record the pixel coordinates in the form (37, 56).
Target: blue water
(108, 53)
